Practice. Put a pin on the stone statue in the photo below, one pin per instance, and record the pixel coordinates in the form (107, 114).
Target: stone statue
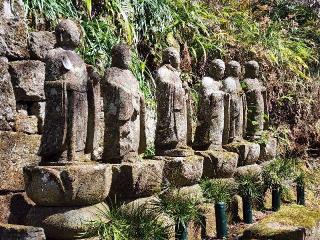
(234, 108)
(65, 124)
(256, 101)
(210, 125)
(124, 110)
(172, 119)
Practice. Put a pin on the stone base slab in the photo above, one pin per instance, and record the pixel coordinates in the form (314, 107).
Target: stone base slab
(248, 152)
(20, 232)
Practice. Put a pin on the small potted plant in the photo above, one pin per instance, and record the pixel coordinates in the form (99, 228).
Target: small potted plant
(219, 192)
(300, 188)
(249, 188)
(182, 208)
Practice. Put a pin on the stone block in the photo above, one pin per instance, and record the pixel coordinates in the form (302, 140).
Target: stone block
(248, 152)
(181, 171)
(14, 207)
(38, 109)
(26, 124)
(28, 80)
(218, 163)
(64, 223)
(20, 232)
(70, 185)
(252, 170)
(16, 151)
(7, 97)
(135, 180)
(40, 43)
(209, 220)
(268, 149)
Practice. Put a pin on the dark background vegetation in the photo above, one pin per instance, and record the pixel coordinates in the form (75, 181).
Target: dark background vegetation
(282, 35)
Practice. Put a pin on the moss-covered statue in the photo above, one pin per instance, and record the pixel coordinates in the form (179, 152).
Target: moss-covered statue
(256, 101)
(124, 109)
(210, 117)
(172, 119)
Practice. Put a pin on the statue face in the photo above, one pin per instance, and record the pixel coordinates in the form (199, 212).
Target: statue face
(216, 69)
(121, 56)
(252, 69)
(233, 69)
(171, 56)
(68, 34)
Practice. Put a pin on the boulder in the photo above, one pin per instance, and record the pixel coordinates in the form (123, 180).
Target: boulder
(20, 232)
(26, 124)
(252, 170)
(28, 80)
(218, 163)
(70, 185)
(16, 151)
(181, 171)
(14, 207)
(7, 97)
(40, 43)
(135, 180)
(268, 149)
(248, 152)
(65, 223)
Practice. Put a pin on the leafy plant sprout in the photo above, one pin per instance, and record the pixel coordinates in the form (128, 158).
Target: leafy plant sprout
(217, 190)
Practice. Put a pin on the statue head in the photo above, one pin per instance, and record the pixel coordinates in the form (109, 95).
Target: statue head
(68, 34)
(121, 56)
(216, 69)
(171, 56)
(233, 69)
(252, 69)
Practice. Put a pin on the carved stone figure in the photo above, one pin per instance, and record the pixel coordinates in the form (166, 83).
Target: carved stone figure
(124, 110)
(65, 125)
(210, 125)
(234, 108)
(256, 101)
(172, 119)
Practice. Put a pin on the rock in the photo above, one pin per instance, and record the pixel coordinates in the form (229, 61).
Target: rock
(28, 80)
(70, 185)
(20, 232)
(40, 43)
(151, 122)
(7, 97)
(252, 170)
(38, 109)
(209, 219)
(182, 171)
(248, 152)
(268, 149)
(65, 223)
(236, 209)
(218, 163)
(26, 124)
(16, 151)
(14, 208)
(134, 180)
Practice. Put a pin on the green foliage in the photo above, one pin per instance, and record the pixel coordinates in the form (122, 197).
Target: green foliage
(149, 152)
(217, 190)
(126, 223)
(182, 208)
(250, 185)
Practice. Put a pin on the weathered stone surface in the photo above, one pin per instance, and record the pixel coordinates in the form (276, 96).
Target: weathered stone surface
(252, 170)
(14, 208)
(28, 80)
(124, 110)
(13, 30)
(182, 171)
(64, 223)
(133, 180)
(151, 123)
(209, 221)
(218, 163)
(70, 185)
(65, 126)
(20, 232)
(7, 97)
(268, 149)
(248, 152)
(26, 124)
(16, 151)
(38, 109)
(209, 131)
(40, 43)
(172, 117)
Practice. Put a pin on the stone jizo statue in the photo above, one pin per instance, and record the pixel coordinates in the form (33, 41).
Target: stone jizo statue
(256, 101)
(210, 117)
(124, 109)
(234, 109)
(172, 120)
(65, 124)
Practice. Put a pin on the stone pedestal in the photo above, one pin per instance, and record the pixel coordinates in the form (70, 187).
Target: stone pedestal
(248, 152)
(268, 149)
